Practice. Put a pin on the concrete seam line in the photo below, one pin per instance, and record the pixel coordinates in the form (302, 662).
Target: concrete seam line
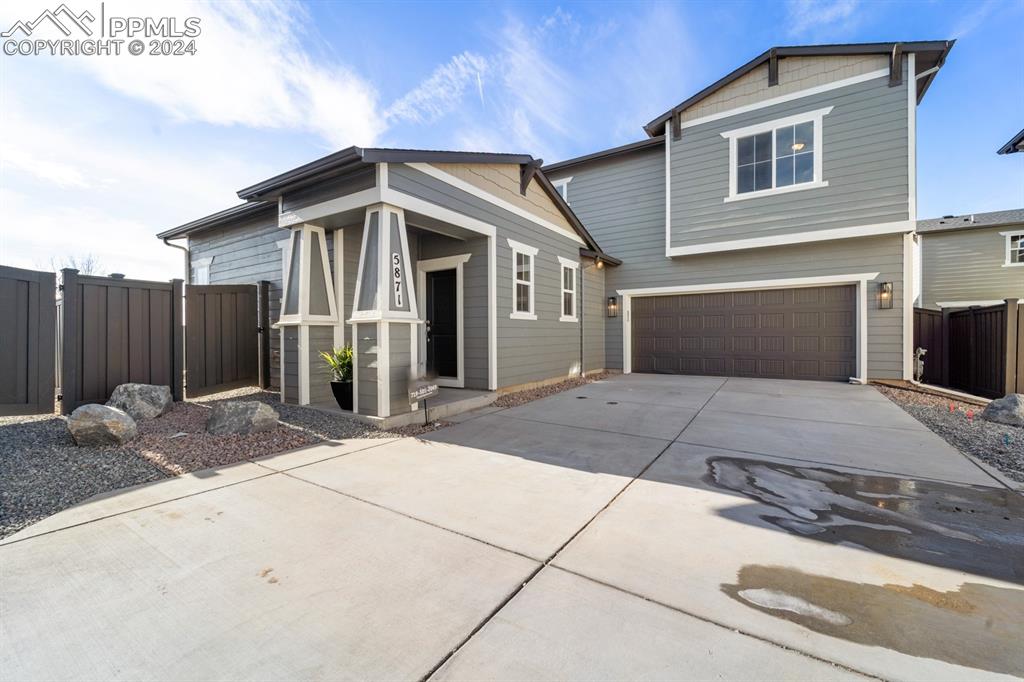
(710, 621)
(590, 428)
(145, 506)
(411, 517)
(326, 459)
(561, 547)
(818, 421)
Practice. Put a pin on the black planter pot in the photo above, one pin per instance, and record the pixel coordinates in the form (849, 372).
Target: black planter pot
(342, 393)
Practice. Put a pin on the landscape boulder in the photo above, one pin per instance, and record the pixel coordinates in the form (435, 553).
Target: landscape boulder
(99, 425)
(142, 401)
(1007, 410)
(241, 417)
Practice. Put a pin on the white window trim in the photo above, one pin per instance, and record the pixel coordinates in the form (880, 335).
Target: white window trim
(860, 279)
(517, 248)
(567, 264)
(303, 316)
(1006, 258)
(433, 265)
(562, 185)
(732, 136)
(203, 265)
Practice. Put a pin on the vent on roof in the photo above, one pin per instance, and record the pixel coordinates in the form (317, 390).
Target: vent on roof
(946, 217)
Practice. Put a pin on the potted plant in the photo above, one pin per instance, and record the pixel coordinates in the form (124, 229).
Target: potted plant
(339, 361)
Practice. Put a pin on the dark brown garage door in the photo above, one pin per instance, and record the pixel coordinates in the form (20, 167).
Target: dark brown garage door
(807, 333)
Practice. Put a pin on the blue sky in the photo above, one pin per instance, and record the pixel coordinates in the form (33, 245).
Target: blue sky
(100, 153)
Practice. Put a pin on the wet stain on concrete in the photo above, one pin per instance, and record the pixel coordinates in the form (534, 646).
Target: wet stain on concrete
(968, 528)
(978, 626)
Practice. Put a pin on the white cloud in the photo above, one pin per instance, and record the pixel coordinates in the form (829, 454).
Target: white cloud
(443, 91)
(810, 16)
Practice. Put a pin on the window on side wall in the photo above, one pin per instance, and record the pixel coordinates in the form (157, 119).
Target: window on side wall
(201, 271)
(562, 186)
(523, 281)
(776, 157)
(1014, 248)
(569, 270)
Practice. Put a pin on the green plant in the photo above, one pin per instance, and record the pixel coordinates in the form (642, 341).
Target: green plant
(339, 361)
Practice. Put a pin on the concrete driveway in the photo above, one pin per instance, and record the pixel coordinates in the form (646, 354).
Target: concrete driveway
(638, 527)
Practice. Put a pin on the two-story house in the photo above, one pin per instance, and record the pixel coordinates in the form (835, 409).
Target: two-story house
(766, 225)
(763, 229)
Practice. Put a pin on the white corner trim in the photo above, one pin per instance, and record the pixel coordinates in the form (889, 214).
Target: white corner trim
(383, 369)
(492, 315)
(968, 304)
(522, 248)
(733, 136)
(910, 83)
(860, 279)
(303, 363)
(339, 286)
(281, 362)
(908, 306)
(776, 190)
(382, 174)
(795, 238)
(433, 265)
(853, 80)
(668, 188)
(472, 189)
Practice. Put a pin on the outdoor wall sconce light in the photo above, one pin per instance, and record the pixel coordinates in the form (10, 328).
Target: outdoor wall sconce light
(613, 306)
(885, 295)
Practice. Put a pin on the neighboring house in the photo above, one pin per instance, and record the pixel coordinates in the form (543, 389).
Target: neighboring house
(468, 267)
(972, 260)
(764, 229)
(1016, 144)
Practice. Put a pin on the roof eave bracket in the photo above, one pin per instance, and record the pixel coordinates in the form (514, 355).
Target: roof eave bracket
(526, 173)
(896, 66)
(773, 67)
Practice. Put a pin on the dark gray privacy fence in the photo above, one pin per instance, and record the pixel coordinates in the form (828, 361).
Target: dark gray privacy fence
(976, 350)
(227, 336)
(27, 341)
(115, 331)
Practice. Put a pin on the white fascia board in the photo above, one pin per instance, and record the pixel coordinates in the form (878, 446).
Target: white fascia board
(795, 238)
(472, 189)
(853, 80)
(789, 283)
(323, 209)
(432, 210)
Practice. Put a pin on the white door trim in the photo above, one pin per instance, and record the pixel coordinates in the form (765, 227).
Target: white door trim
(860, 279)
(434, 265)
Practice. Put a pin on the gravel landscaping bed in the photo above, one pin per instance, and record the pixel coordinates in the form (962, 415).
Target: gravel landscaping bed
(42, 471)
(998, 445)
(529, 395)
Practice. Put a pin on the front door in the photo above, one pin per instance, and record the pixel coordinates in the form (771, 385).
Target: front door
(442, 325)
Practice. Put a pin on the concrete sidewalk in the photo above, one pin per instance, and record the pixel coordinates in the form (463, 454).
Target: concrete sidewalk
(603, 533)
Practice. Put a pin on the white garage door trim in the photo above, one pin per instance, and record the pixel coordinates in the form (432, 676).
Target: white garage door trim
(860, 279)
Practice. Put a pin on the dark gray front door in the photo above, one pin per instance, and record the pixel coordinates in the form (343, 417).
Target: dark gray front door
(442, 324)
(807, 333)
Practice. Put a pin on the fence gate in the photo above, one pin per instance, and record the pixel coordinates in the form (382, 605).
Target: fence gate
(115, 331)
(223, 337)
(27, 338)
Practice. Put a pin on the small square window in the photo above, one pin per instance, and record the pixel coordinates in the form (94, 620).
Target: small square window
(1014, 248)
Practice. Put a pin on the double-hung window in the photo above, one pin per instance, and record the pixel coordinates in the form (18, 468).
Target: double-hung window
(776, 156)
(523, 281)
(1014, 248)
(569, 270)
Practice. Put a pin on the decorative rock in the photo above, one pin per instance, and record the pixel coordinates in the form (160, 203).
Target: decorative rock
(142, 401)
(241, 417)
(1006, 410)
(99, 425)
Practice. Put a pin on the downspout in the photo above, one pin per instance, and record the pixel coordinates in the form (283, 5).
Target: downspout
(581, 305)
(187, 255)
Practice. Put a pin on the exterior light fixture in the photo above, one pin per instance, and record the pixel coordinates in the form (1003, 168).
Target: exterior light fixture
(613, 306)
(885, 295)
(600, 263)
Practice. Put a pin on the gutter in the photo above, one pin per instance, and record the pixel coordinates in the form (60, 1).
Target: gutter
(188, 255)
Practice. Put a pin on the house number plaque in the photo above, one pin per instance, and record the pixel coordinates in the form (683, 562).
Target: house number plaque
(396, 273)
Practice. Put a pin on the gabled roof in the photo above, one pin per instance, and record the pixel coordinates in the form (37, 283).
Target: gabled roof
(931, 54)
(219, 218)
(972, 221)
(1016, 144)
(352, 158)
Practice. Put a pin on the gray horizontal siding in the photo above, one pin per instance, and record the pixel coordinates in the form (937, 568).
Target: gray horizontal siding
(321, 338)
(968, 266)
(594, 310)
(290, 360)
(528, 350)
(399, 340)
(366, 356)
(864, 161)
(621, 201)
(364, 178)
(245, 253)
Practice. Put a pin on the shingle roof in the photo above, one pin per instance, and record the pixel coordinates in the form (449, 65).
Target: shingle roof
(1014, 216)
(1015, 144)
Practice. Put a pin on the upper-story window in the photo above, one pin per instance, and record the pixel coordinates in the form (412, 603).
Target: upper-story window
(562, 186)
(776, 156)
(1014, 248)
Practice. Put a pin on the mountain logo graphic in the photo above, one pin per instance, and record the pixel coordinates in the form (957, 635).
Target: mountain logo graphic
(54, 18)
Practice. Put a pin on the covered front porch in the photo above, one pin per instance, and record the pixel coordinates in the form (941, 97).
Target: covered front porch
(410, 289)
